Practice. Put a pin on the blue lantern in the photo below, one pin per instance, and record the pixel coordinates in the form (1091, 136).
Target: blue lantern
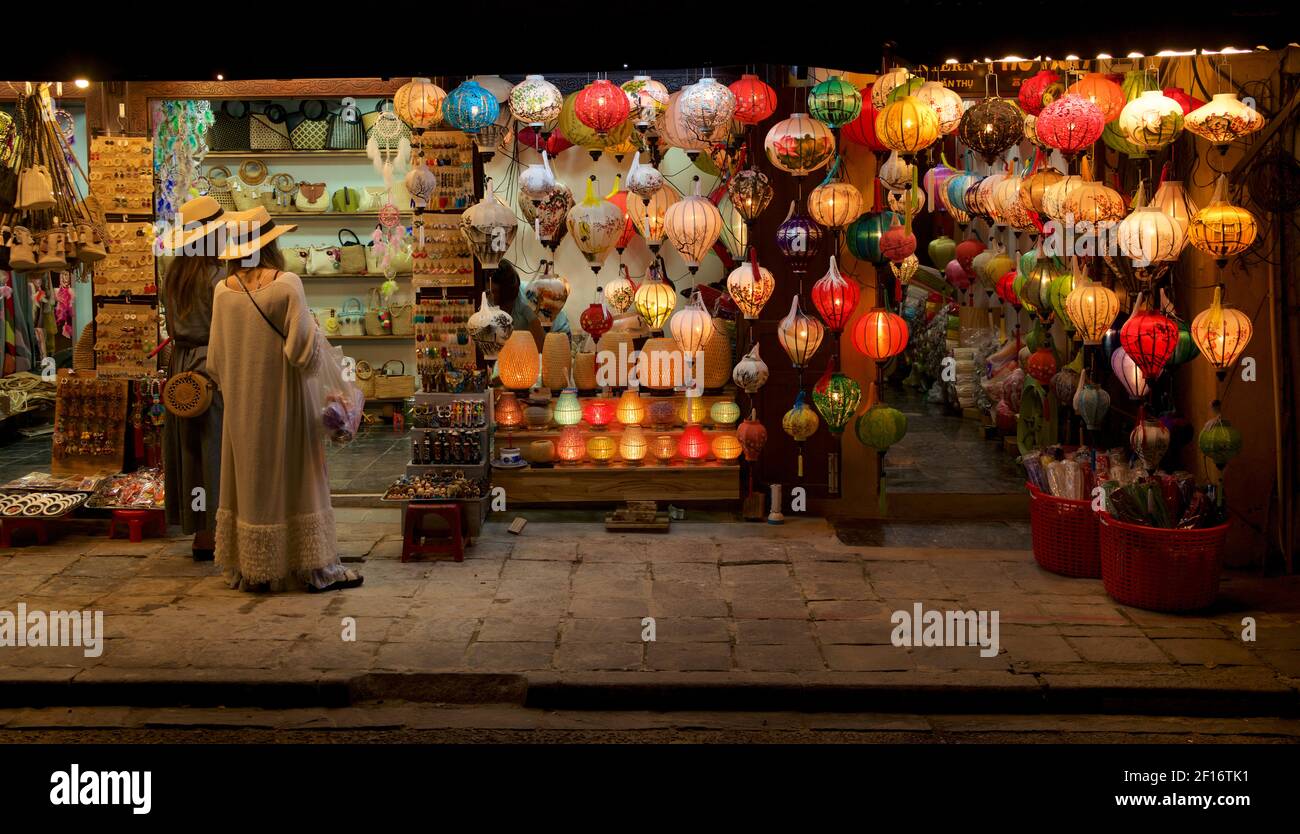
(470, 107)
(863, 235)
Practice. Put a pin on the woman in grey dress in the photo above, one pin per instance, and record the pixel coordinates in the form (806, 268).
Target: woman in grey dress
(192, 445)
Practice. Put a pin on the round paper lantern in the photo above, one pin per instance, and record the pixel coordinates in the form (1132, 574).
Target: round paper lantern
(693, 226)
(650, 216)
(896, 173)
(1221, 229)
(568, 409)
(1223, 119)
(750, 372)
(692, 327)
(519, 363)
(1030, 132)
(752, 436)
(835, 102)
(799, 145)
(800, 422)
(598, 412)
(941, 250)
(489, 327)
(1219, 440)
(1101, 91)
(1040, 90)
(1221, 333)
(536, 101)
(1056, 194)
(1149, 337)
(706, 108)
(1091, 308)
(750, 289)
(1151, 121)
(1091, 403)
(934, 182)
(655, 300)
(489, 227)
(595, 224)
(880, 427)
(863, 235)
(945, 102)
(571, 446)
(724, 413)
(755, 100)
(1092, 202)
(673, 132)
(508, 412)
(1005, 288)
(1011, 210)
(1149, 236)
(836, 397)
(692, 445)
(799, 238)
(1042, 365)
(834, 204)
(601, 106)
(726, 447)
(546, 294)
(470, 107)
(991, 126)
(601, 448)
(862, 130)
(631, 411)
(418, 102)
(649, 97)
(1070, 124)
(632, 445)
(896, 242)
(620, 294)
(885, 84)
(907, 125)
(880, 335)
(835, 298)
(800, 335)
(966, 252)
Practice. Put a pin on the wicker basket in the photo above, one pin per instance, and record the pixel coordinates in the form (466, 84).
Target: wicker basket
(660, 358)
(584, 371)
(389, 385)
(608, 348)
(1065, 534)
(556, 361)
(1159, 569)
(366, 379)
(718, 356)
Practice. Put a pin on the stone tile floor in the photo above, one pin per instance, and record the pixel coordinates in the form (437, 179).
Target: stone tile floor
(732, 602)
(944, 452)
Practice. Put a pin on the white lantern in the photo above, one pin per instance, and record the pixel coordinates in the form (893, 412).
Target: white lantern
(692, 327)
(693, 226)
(885, 85)
(946, 104)
(1148, 235)
(896, 173)
(489, 227)
(650, 217)
(705, 109)
(750, 292)
(1151, 121)
(1223, 119)
(536, 101)
(595, 225)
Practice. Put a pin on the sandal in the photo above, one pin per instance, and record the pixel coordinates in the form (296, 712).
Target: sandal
(341, 585)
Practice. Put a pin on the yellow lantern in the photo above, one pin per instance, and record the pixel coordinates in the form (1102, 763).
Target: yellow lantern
(1221, 229)
(726, 447)
(907, 125)
(1094, 203)
(631, 412)
(724, 413)
(1221, 333)
(664, 448)
(835, 204)
(693, 226)
(692, 410)
(654, 299)
(519, 363)
(1034, 187)
(649, 216)
(632, 445)
(1092, 309)
(418, 102)
(601, 448)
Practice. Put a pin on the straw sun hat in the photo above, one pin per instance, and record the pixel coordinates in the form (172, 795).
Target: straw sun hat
(199, 218)
(249, 231)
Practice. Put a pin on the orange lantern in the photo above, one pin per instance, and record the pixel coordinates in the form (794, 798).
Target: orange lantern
(1103, 92)
(726, 447)
(880, 335)
(572, 446)
(664, 448)
(631, 412)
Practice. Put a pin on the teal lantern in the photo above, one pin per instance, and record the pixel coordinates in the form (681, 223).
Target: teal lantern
(1091, 404)
(1028, 261)
(836, 397)
(835, 102)
(863, 235)
(1185, 350)
(470, 107)
(881, 427)
(941, 250)
(957, 187)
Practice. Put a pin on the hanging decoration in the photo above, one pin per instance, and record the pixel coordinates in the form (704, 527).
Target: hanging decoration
(834, 203)
(990, 127)
(1040, 90)
(835, 298)
(536, 102)
(908, 125)
(595, 224)
(801, 423)
(885, 84)
(799, 238)
(1102, 91)
(1149, 338)
(1091, 403)
(1151, 239)
(546, 293)
(752, 436)
(897, 242)
(655, 298)
(751, 192)
(649, 216)
(1070, 124)
(1091, 308)
(179, 145)
(1092, 202)
(693, 226)
(1221, 333)
(489, 328)
(1149, 441)
(751, 372)
(418, 102)
(799, 145)
(836, 397)
(835, 102)
(946, 104)
(880, 335)
(1219, 440)
(800, 335)
(650, 99)
(880, 427)
(750, 286)
(489, 228)
(1171, 198)
(1151, 121)
(896, 173)
(862, 130)
(1223, 120)
(1222, 230)
(470, 108)
(705, 109)
(673, 132)
(863, 235)
(596, 319)
(1128, 373)
(620, 293)
(692, 327)
(601, 106)
(755, 100)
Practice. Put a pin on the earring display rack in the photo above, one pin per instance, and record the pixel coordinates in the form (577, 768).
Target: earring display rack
(125, 335)
(121, 174)
(89, 424)
(129, 268)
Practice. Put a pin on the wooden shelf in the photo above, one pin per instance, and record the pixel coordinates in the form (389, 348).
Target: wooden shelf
(526, 435)
(618, 482)
(356, 276)
(371, 338)
(289, 154)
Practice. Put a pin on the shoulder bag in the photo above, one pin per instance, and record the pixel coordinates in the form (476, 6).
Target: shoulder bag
(229, 129)
(311, 196)
(295, 259)
(350, 320)
(219, 187)
(35, 189)
(352, 255)
(347, 133)
(188, 394)
(373, 198)
(312, 131)
(323, 260)
(403, 314)
(346, 200)
(267, 130)
(378, 321)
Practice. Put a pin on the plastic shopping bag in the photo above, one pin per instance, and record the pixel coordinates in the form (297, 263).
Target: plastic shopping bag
(338, 400)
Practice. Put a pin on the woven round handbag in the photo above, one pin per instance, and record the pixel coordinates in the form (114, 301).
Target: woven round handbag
(188, 394)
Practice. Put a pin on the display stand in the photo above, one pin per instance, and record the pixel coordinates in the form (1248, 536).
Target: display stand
(473, 511)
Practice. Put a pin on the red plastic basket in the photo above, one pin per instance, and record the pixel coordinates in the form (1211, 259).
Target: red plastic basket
(1065, 535)
(1159, 569)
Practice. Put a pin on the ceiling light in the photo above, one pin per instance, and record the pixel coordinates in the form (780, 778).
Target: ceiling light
(220, 77)
(81, 83)
(950, 61)
(1135, 55)
(1103, 56)
(1071, 57)
(1173, 53)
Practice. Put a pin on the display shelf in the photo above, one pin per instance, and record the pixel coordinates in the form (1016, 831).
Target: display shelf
(289, 154)
(614, 482)
(371, 338)
(335, 276)
(527, 435)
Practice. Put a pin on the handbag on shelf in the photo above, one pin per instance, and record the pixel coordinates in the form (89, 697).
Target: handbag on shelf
(352, 255)
(323, 260)
(267, 130)
(373, 198)
(351, 319)
(403, 318)
(219, 187)
(347, 133)
(283, 187)
(389, 385)
(35, 189)
(346, 200)
(312, 197)
(295, 259)
(229, 129)
(330, 324)
(378, 322)
(366, 378)
(245, 197)
(312, 131)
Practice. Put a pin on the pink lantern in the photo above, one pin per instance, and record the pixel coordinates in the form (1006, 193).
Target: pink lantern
(1070, 124)
(956, 275)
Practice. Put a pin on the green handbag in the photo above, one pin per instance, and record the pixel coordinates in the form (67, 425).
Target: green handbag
(346, 200)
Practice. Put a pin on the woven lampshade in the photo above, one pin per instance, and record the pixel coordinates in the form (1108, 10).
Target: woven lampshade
(584, 371)
(599, 412)
(664, 448)
(571, 446)
(718, 356)
(508, 412)
(692, 444)
(568, 409)
(692, 410)
(601, 448)
(661, 364)
(631, 410)
(726, 447)
(661, 412)
(614, 354)
(556, 360)
(632, 444)
(518, 362)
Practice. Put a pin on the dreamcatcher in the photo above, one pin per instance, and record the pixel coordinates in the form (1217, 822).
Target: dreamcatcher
(389, 150)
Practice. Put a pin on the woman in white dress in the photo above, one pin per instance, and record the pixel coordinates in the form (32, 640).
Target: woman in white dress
(275, 525)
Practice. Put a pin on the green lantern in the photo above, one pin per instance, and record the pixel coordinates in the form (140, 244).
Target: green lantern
(862, 236)
(1219, 441)
(1036, 338)
(881, 427)
(837, 397)
(1185, 350)
(1027, 261)
(835, 102)
(1062, 285)
(907, 88)
(942, 250)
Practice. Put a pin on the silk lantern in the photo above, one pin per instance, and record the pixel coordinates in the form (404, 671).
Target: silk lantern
(755, 99)
(799, 145)
(945, 102)
(1040, 90)
(546, 293)
(907, 125)
(595, 224)
(601, 106)
(1150, 441)
(836, 397)
(835, 102)
(750, 372)
(1221, 229)
(835, 298)
(897, 242)
(800, 334)
(470, 108)
(834, 204)
(650, 215)
(863, 235)
(519, 363)
(880, 335)
(706, 108)
(799, 238)
(1149, 337)
(991, 126)
(1219, 440)
(1221, 333)
(862, 130)
(1042, 365)
(692, 327)
(750, 286)
(655, 300)
(489, 328)
(1056, 194)
(800, 423)
(1149, 236)
(941, 250)
(693, 226)
(1223, 119)
(1005, 288)
(1101, 91)
(620, 293)
(1034, 186)
(651, 100)
(418, 102)
(1091, 308)
(1171, 198)
(596, 320)
(1091, 403)
(1151, 121)
(1070, 124)
(536, 101)
(750, 191)
(896, 173)
(489, 228)
(752, 436)
(880, 427)
(884, 85)
(1129, 374)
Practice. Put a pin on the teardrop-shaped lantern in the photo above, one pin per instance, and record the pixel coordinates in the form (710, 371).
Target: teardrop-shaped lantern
(693, 226)
(800, 335)
(1128, 373)
(1221, 333)
(489, 227)
(750, 286)
(835, 297)
(655, 299)
(692, 327)
(595, 224)
(489, 327)
(751, 371)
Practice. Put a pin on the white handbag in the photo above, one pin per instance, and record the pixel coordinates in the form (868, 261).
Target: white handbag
(352, 318)
(374, 197)
(35, 189)
(323, 260)
(295, 259)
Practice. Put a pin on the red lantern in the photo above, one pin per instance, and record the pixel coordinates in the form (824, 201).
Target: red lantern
(752, 436)
(835, 298)
(530, 137)
(596, 320)
(880, 335)
(598, 412)
(1150, 339)
(629, 229)
(1070, 124)
(693, 445)
(956, 275)
(1184, 100)
(1039, 91)
(862, 130)
(755, 100)
(601, 106)
(896, 243)
(1042, 365)
(572, 445)
(966, 252)
(1006, 289)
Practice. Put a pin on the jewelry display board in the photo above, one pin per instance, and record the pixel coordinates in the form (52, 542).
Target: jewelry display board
(441, 338)
(450, 155)
(121, 174)
(125, 335)
(445, 259)
(129, 267)
(89, 423)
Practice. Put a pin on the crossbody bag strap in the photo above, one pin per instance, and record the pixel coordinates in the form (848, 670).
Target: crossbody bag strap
(257, 307)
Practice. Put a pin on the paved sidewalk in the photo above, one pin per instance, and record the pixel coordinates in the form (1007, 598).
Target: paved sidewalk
(738, 608)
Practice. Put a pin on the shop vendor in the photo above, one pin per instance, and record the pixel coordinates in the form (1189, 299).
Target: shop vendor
(508, 295)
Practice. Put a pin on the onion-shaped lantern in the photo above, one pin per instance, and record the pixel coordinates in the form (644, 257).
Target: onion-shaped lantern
(1149, 338)
(752, 436)
(536, 102)
(1129, 374)
(1040, 90)
(546, 293)
(489, 328)
(1149, 236)
(1151, 121)
(885, 84)
(1091, 403)
(836, 397)
(1221, 333)
(755, 99)
(489, 227)
(1172, 198)
(750, 286)
(945, 102)
(649, 100)
(1219, 440)
(1070, 124)
(601, 106)
(1034, 187)
(1223, 119)
(835, 298)
(1221, 229)
(751, 371)
(418, 102)
(655, 298)
(907, 125)
(620, 293)
(693, 226)
(991, 126)
(596, 320)
(750, 191)
(595, 224)
(650, 216)
(706, 108)
(862, 130)
(880, 335)
(799, 145)
(1101, 91)
(896, 173)
(800, 335)
(835, 102)
(835, 203)
(880, 427)
(692, 327)
(798, 237)
(1091, 308)
(863, 235)
(470, 108)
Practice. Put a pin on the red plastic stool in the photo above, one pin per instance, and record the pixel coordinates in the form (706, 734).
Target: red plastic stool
(9, 526)
(417, 542)
(138, 523)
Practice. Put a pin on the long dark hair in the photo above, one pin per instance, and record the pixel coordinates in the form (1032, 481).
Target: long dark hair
(268, 257)
(189, 279)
